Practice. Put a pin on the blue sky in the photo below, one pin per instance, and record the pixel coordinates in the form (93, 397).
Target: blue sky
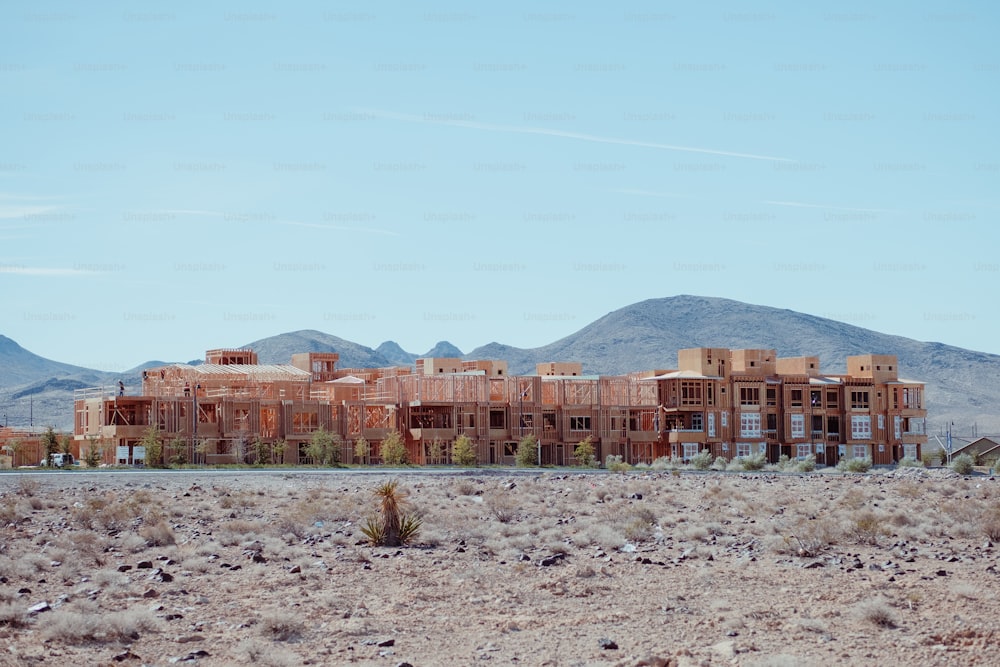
(177, 178)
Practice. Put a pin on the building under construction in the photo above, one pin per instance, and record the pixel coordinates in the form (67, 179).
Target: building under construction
(732, 403)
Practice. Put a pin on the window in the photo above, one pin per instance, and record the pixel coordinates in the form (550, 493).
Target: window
(305, 422)
(696, 422)
(897, 426)
(817, 424)
(911, 397)
(690, 450)
(579, 423)
(772, 422)
(711, 424)
(910, 451)
(859, 400)
(724, 419)
(796, 395)
(859, 451)
(497, 419)
(814, 398)
(803, 450)
(831, 399)
(749, 424)
(833, 425)
(690, 392)
(749, 395)
(913, 425)
(710, 394)
(549, 421)
(798, 426)
(742, 449)
(861, 427)
(510, 449)
(772, 398)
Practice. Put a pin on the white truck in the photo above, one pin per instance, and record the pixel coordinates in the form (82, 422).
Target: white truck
(59, 460)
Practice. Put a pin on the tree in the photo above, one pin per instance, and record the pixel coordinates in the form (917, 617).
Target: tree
(175, 452)
(50, 443)
(393, 449)
(324, 448)
(278, 451)
(14, 447)
(362, 450)
(462, 451)
(261, 452)
(95, 452)
(66, 444)
(435, 451)
(584, 452)
(151, 442)
(527, 452)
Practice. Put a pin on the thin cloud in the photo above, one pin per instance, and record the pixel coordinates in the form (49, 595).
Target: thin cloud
(518, 129)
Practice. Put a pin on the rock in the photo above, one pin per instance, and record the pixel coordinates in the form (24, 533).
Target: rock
(145, 565)
(125, 655)
(39, 608)
(551, 560)
(942, 573)
(151, 593)
(188, 639)
(813, 565)
(636, 496)
(386, 643)
(607, 644)
(295, 569)
(726, 649)
(124, 568)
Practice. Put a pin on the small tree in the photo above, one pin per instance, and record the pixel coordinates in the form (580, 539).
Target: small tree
(393, 449)
(278, 451)
(176, 454)
(15, 447)
(584, 452)
(261, 451)
(362, 450)
(435, 451)
(527, 452)
(462, 451)
(50, 442)
(324, 448)
(66, 444)
(95, 452)
(151, 442)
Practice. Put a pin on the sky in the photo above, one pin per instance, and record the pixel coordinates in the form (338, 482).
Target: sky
(178, 177)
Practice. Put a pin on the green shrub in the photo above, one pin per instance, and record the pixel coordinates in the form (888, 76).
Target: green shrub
(527, 452)
(362, 450)
(584, 452)
(808, 464)
(720, 463)
(462, 451)
(963, 464)
(931, 458)
(910, 462)
(393, 450)
(753, 461)
(702, 460)
(324, 448)
(855, 465)
(614, 463)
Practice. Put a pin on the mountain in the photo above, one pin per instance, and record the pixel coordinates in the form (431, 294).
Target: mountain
(961, 384)
(394, 354)
(443, 349)
(21, 367)
(279, 349)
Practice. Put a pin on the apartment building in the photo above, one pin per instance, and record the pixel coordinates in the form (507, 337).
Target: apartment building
(729, 402)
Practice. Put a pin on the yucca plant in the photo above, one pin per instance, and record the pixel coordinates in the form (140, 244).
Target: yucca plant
(389, 527)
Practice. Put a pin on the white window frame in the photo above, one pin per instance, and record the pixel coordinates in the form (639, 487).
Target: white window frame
(861, 427)
(711, 424)
(803, 450)
(859, 451)
(910, 451)
(690, 450)
(798, 426)
(742, 449)
(749, 424)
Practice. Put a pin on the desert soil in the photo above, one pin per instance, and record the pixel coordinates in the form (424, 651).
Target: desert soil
(537, 568)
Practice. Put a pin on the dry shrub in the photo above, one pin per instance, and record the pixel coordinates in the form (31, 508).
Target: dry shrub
(72, 627)
(502, 506)
(159, 534)
(466, 487)
(237, 531)
(27, 487)
(878, 612)
(13, 615)
(867, 527)
(256, 652)
(281, 626)
(990, 523)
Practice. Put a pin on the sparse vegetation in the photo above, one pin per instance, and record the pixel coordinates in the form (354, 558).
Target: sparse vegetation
(856, 465)
(50, 443)
(362, 451)
(703, 460)
(324, 448)
(153, 447)
(614, 463)
(752, 462)
(910, 462)
(391, 526)
(584, 452)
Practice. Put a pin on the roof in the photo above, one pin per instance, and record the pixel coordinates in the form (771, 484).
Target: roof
(824, 380)
(684, 375)
(347, 379)
(251, 371)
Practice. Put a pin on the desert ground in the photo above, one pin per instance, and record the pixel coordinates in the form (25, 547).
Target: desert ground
(556, 567)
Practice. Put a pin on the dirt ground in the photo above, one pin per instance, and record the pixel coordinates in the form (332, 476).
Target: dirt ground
(540, 568)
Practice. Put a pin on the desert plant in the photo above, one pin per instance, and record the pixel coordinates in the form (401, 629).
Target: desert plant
(963, 464)
(720, 463)
(393, 450)
(584, 452)
(930, 457)
(991, 524)
(462, 451)
(753, 461)
(910, 462)
(362, 450)
(278, 451)
(527, 452)
(867, 527)
(860, 465)
(877, 612)
(808, 464)
(389, 526)
(435, 451)
(614, 463)
(176, 452)
(702, 460)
